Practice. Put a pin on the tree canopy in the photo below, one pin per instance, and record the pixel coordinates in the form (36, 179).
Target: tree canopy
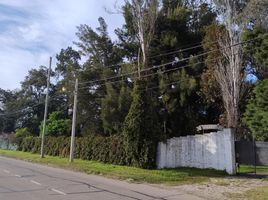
(172, 65)
(256, 115)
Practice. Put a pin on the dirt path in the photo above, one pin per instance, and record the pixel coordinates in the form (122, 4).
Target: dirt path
(223, 188)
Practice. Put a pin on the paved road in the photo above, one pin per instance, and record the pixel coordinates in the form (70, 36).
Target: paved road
(21, 180)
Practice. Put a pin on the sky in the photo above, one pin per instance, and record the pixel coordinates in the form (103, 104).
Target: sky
(33, 30)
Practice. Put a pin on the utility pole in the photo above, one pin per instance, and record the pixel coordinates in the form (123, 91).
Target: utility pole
(74, 121)
(45, 114)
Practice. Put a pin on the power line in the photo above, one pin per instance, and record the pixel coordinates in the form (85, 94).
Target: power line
(189, 47)
(162, 72)
(169, 52)
(172, 62)
(177, 51)
(182, 49)
(28, 107)
(168, 84)
(197, 46)
(21, 110)
(148, 75)
(207, 52)
(165, 53)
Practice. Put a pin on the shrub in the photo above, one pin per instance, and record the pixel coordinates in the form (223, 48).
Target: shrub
(103, 149)
(22, 132)
(56, 125)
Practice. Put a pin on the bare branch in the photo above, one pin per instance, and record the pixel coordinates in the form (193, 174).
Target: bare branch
(116, 9)
(144, 14)
(229, 71)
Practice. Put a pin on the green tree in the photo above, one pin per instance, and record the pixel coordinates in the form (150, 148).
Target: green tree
(114, 108)
(22, 132)
(141, 128)
(100, 52)
(178, 92)
(109, 110)
(124, 102)
(256, 52)
(25, 108)
(57, 125)
(183, 95)
(210, 88)
(67, 69)
(256, 115)
(256, 12)
(8, 115)
(31, 98)
(97, 46)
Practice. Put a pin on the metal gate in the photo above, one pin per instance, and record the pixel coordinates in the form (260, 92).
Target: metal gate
(254, 154)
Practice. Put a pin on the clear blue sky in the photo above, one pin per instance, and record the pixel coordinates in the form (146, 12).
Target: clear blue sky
(33, 30)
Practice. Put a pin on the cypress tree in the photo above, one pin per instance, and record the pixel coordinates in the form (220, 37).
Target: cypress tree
(141, 129)
(109, 110)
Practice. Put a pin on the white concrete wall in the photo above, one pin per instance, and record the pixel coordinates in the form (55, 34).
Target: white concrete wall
(213, 150)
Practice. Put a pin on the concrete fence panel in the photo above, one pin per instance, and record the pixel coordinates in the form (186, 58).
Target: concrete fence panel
(213, 150)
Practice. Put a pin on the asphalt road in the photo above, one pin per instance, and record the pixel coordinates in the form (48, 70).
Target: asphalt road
(21, 180)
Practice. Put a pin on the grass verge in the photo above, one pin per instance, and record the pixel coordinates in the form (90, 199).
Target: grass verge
(251, 169)
(166, 176)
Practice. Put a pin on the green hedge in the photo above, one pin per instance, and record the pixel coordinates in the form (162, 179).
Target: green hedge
(103, 149)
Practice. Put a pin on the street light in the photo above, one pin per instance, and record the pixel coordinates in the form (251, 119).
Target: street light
(63, 89)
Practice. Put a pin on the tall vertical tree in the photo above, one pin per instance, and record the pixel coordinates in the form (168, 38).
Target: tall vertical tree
(140, 136)
(144, 15)
(228, 66)
(102, 56)
(210, 88)
(180, 25)
(229, 70)
(141, 129)
(67, 70)
(68, 67)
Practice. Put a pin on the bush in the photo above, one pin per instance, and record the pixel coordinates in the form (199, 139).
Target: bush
(22, 132)
(103, 149)
(56, 125)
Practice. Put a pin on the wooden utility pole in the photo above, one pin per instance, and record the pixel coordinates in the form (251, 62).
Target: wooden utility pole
(45, 114)
(74, 122)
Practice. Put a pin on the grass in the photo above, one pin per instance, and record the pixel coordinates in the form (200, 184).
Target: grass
(166, 176)
(251, 169)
